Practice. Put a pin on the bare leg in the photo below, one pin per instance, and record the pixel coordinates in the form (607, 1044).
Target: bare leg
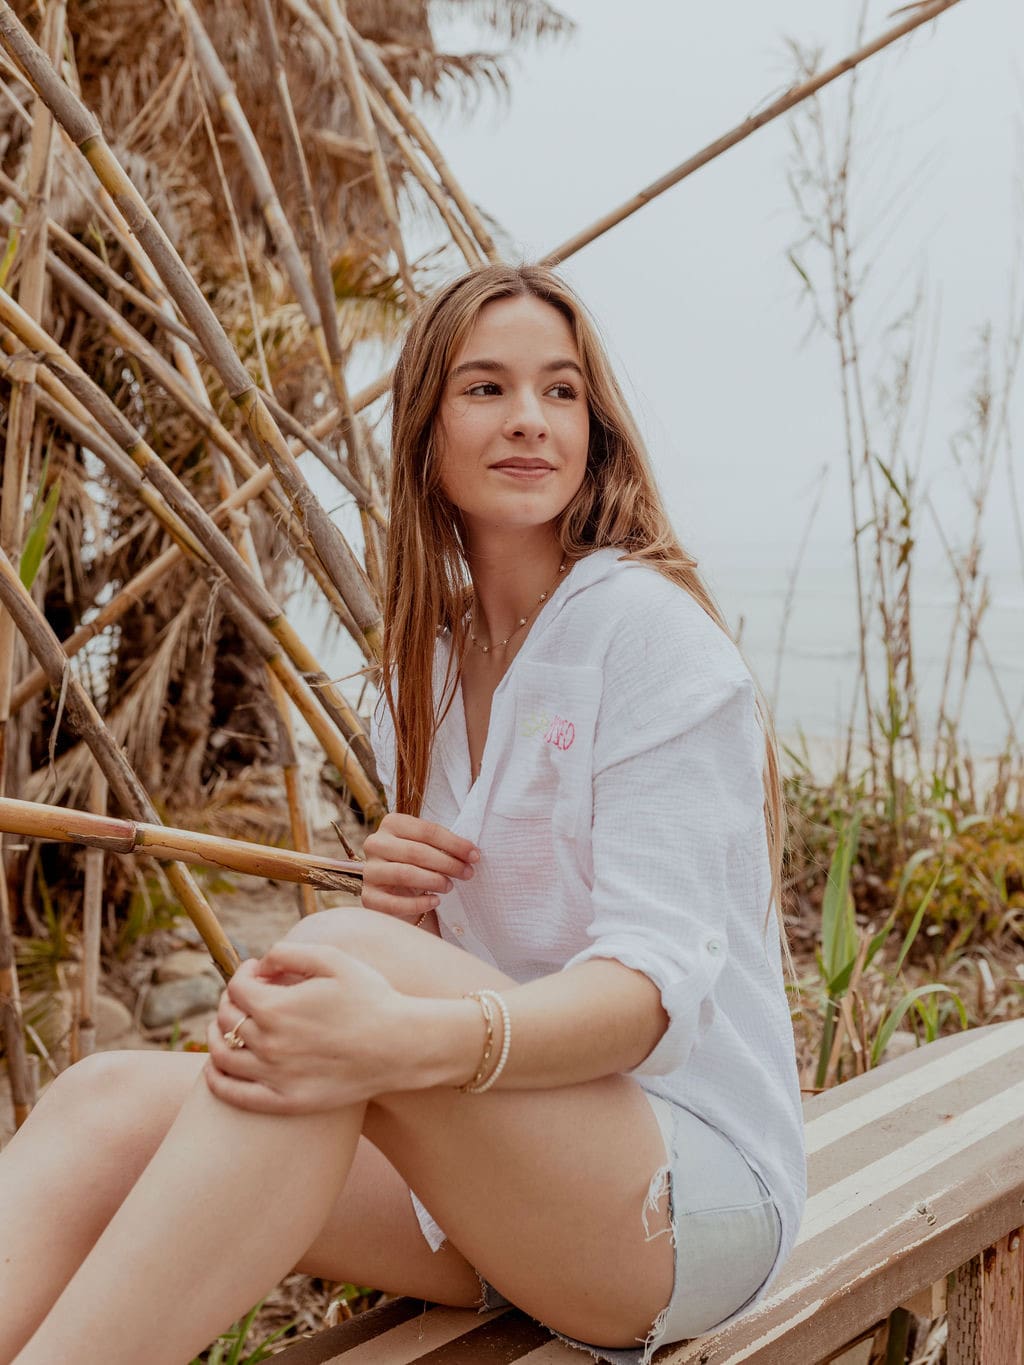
(64, 1174)
(226, 1207)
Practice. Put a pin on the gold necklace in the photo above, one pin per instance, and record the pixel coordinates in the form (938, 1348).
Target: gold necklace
(486, 649)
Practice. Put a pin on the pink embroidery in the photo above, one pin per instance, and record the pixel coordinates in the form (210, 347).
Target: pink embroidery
(561, 733)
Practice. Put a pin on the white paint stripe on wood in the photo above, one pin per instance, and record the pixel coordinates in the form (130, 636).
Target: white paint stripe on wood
(844, 1119)
(832, 1206)
(415, 1337)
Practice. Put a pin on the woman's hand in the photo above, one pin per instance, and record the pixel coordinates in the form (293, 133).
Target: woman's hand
(410, 864)
(324, 1030)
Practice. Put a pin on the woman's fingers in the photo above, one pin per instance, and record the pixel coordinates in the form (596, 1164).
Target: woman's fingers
(389, 901)
(409, 852)
(407, 876)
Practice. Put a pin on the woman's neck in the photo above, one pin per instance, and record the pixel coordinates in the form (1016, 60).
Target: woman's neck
(508, 582)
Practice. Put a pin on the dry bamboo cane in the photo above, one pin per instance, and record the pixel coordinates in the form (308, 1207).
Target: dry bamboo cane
(352, 757)
(215, 544)
(255, 165)
(163, 842)
(207, 421)
(133, 592)
(307, 435)
(84, 130)
(406, 115)
(382, 112)
(83, 1037)
(323, 285)
(202, 414)
(86, 295)
(88, 723)
(297, 815)
(337, 22)
(21, 427)
(921, 14)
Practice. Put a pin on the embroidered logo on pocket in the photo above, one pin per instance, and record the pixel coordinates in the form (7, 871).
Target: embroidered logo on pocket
(556, 730)
(560, 733)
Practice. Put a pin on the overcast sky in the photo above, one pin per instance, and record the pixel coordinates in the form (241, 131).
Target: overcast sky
(701, 307)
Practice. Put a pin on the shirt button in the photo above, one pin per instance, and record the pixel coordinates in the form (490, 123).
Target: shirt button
(460, 929)
(712, 945)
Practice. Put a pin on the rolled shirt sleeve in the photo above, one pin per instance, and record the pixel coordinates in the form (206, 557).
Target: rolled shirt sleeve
(678, 813)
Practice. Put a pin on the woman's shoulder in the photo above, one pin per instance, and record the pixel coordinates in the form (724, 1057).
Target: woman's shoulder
(646, 623)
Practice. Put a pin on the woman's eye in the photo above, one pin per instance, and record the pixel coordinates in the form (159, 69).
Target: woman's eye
(567, 390)
(486, 384)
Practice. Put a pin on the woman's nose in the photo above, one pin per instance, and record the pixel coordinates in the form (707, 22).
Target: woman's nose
(526, 417)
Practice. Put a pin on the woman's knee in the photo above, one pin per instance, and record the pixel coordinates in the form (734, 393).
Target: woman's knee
(348, 926)
(126, 1100)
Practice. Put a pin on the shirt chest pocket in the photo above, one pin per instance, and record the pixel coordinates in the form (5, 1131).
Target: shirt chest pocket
(547, 762)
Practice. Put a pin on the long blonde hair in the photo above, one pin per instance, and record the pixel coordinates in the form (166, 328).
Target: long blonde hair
(618, 504)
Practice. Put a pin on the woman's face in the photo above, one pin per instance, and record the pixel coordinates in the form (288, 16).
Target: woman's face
(514, 393)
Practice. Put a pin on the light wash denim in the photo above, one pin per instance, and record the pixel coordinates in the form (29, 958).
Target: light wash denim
(724, 1226)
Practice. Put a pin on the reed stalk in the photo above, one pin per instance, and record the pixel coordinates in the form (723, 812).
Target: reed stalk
(21, 430)
(297, 815)
(84, 131)
(34, 820)
(414, 127)
(385, 116)
(194, 403)
(86, 721)
(920, 14)
(215, 544)
(254, 163)
(323, 285)
(83, 1036)
(337, 21)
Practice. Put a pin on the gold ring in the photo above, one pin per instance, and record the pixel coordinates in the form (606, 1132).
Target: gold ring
(233, 1038)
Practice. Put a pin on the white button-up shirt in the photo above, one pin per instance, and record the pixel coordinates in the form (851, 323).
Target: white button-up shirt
(619, 812)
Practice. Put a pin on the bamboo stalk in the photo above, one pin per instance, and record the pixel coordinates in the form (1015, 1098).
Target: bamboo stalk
(323, 285)
(253, 160)
(406, 115)
(37, 821)
(131, 594)
(213, 541)
(83, 1037)
(297, 814)
(337, 21)
(88, 723)
(21, 426)
(385, 116)
(921, 14)
(84, 130)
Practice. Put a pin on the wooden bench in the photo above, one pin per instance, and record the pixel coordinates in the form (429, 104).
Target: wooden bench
(915, 1201)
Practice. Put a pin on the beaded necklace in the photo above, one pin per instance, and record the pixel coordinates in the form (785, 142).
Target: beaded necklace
(486, 649)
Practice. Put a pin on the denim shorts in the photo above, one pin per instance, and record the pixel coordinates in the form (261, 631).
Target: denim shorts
(724, 1226)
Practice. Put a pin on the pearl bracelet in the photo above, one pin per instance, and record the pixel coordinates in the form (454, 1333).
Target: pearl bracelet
(473, 1087)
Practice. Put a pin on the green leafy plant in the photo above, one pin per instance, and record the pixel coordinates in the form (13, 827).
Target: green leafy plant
(228, 1348)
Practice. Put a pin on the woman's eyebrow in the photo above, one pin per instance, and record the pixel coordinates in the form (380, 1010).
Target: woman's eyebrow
(496, 367)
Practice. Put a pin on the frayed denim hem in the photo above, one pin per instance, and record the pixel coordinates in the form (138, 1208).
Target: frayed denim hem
(660, 1186)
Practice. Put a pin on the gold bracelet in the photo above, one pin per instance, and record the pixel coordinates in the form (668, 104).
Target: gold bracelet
(421, 919)
(485, 1005)
(506, 1041)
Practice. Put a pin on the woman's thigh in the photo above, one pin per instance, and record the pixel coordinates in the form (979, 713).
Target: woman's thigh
(542, 1191)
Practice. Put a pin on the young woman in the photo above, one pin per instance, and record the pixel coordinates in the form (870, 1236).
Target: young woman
(555, 1067)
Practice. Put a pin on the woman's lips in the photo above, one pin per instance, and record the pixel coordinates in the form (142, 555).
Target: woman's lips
(518, 472)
